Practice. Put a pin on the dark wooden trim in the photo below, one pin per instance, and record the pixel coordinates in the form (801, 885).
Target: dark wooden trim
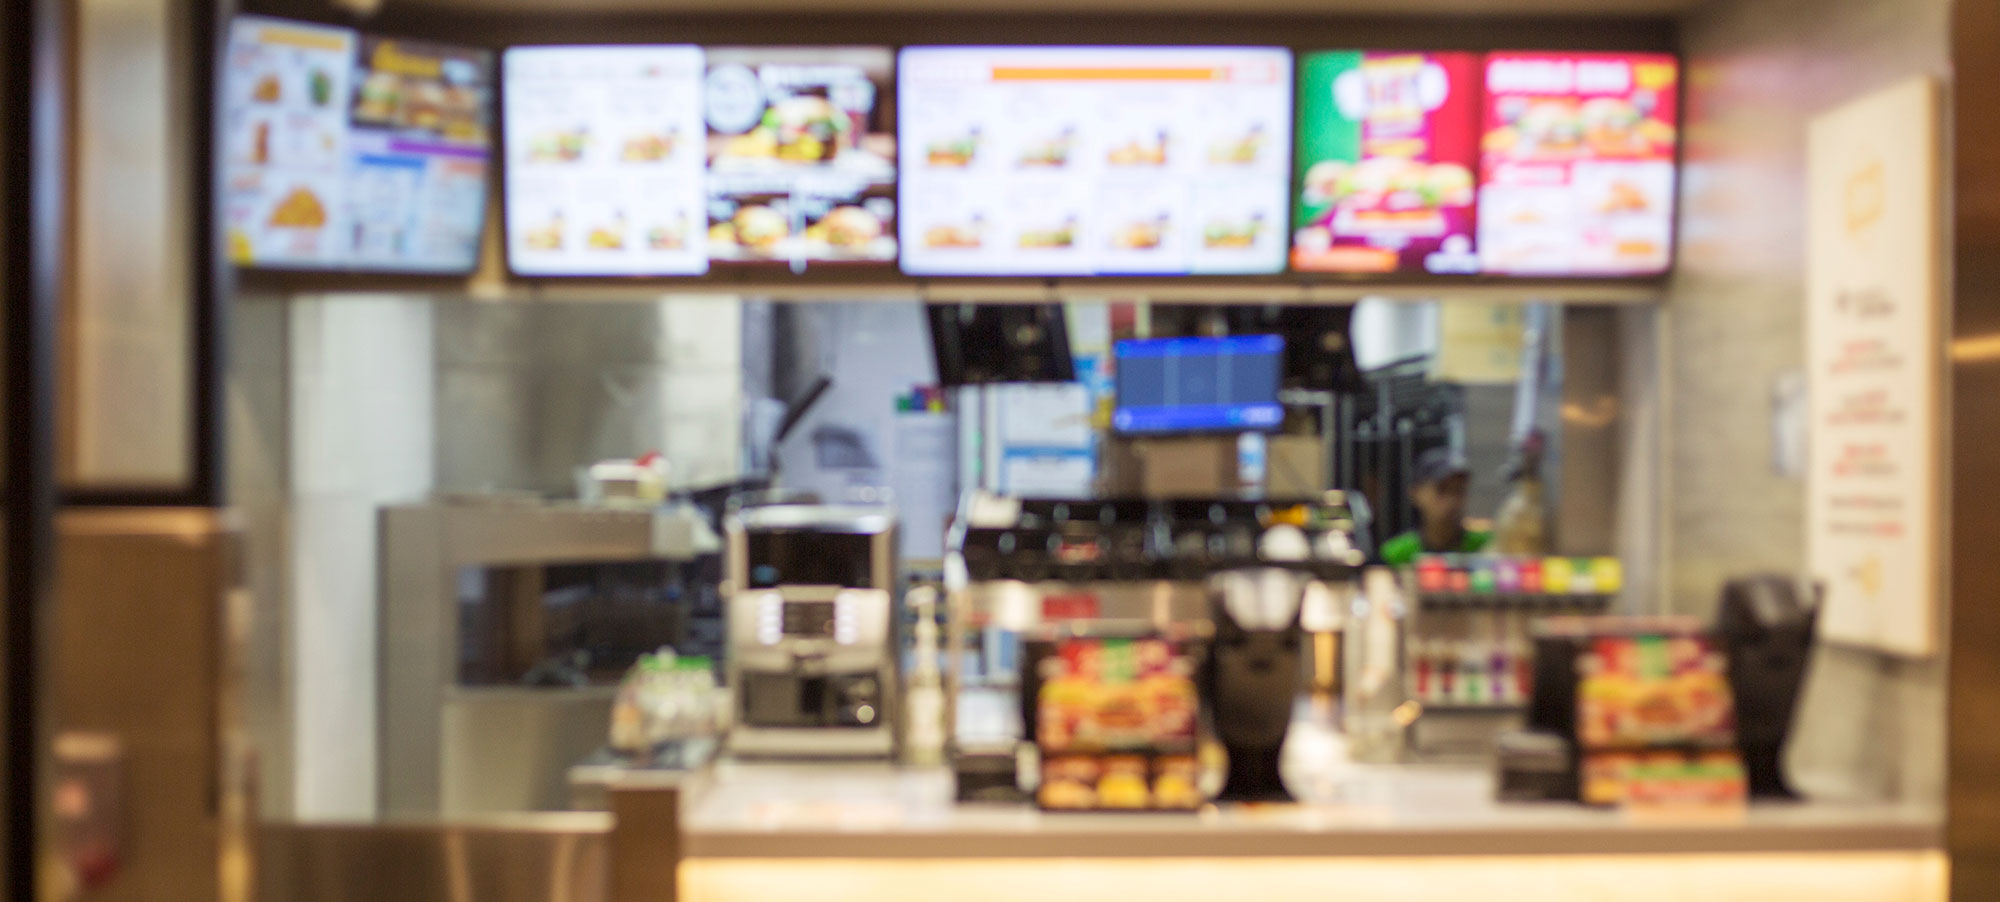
(213, 277)
(35, 207)
(1972, 828)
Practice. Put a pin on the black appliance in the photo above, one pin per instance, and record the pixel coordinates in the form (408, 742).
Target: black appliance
(1767, 631)
(1251, 679)
(978, 344)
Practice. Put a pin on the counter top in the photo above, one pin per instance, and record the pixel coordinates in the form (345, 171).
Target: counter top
(745, 810)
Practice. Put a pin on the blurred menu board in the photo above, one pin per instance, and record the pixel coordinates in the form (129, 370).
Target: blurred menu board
(346, 151)
(1386, 147)
(1059, 161)
(416, 178)
(285, 128)
(604, 161)
(801, 154)
(1577, 169)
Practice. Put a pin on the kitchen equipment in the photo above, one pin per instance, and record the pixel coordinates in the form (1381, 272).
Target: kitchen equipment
(812, 648)
(487, 602)
(1766, 629)
(1251, 675)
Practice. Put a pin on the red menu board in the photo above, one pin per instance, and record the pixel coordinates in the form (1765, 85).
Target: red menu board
(1386, 146)
(1577, 163)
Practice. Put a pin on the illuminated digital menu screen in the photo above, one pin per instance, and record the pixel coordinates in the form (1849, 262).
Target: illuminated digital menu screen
(1577, 168)
(605, 157)
(1073, 161)
(418, 147)
(1387, 144)
(346, 151)
(801, 154)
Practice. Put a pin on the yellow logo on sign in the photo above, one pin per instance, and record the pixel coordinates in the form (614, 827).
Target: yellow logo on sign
(1654, 76)
(1868, 574)
(1867, 193)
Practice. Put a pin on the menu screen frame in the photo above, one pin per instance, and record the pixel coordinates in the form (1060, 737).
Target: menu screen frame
(668, 246)
(1636, 183)
(333, 86)
(1082, 249)
(802, 152)
(1386, 164)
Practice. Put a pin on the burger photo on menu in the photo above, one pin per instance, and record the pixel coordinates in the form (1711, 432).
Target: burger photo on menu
(954, 151)
(1233, 232)
(1140, 150)
(1051, 151)
(1242, 149)
(801, 155)
(967, 235)
(1048, 236)
(1386, 149)
(1141, 234)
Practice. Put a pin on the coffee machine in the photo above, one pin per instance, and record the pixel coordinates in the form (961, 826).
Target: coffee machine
(812, 652)
(1251, 675)
(1767, 627)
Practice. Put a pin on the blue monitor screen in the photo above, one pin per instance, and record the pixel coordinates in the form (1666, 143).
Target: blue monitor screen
(1199, 384)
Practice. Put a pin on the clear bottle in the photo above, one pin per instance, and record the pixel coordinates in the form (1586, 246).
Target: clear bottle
(1375, 712)
(1500, 659)
(1472, 671)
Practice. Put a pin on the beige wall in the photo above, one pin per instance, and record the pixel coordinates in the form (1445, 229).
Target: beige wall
(1757, 72)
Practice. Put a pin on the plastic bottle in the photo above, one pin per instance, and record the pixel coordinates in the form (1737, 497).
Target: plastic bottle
(1499, 660)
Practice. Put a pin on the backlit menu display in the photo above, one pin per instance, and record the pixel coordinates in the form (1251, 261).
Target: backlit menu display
(285, 134)
(416, 174)
(801, 155)
(605, 159)
(1073, 161)
(346, 151)
(1577, 169)
(1387, 144)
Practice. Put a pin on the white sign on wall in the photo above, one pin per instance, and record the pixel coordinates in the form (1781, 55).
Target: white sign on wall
(1873, 354)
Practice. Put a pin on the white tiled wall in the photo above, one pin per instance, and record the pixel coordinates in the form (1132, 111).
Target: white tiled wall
(361, 414)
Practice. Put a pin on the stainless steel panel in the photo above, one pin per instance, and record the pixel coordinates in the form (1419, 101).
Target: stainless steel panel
(1589, 474)
(1017, 605)
(509, 749)
(529, 391)
(423, 547)
(546, 858)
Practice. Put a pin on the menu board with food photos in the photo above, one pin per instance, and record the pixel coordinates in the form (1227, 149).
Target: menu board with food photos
(1387, 142)
(1577, 168)
(1073, 161)
(416, 178)
(346, 151)
(605, 160)
(285, 136)
(801, 154)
